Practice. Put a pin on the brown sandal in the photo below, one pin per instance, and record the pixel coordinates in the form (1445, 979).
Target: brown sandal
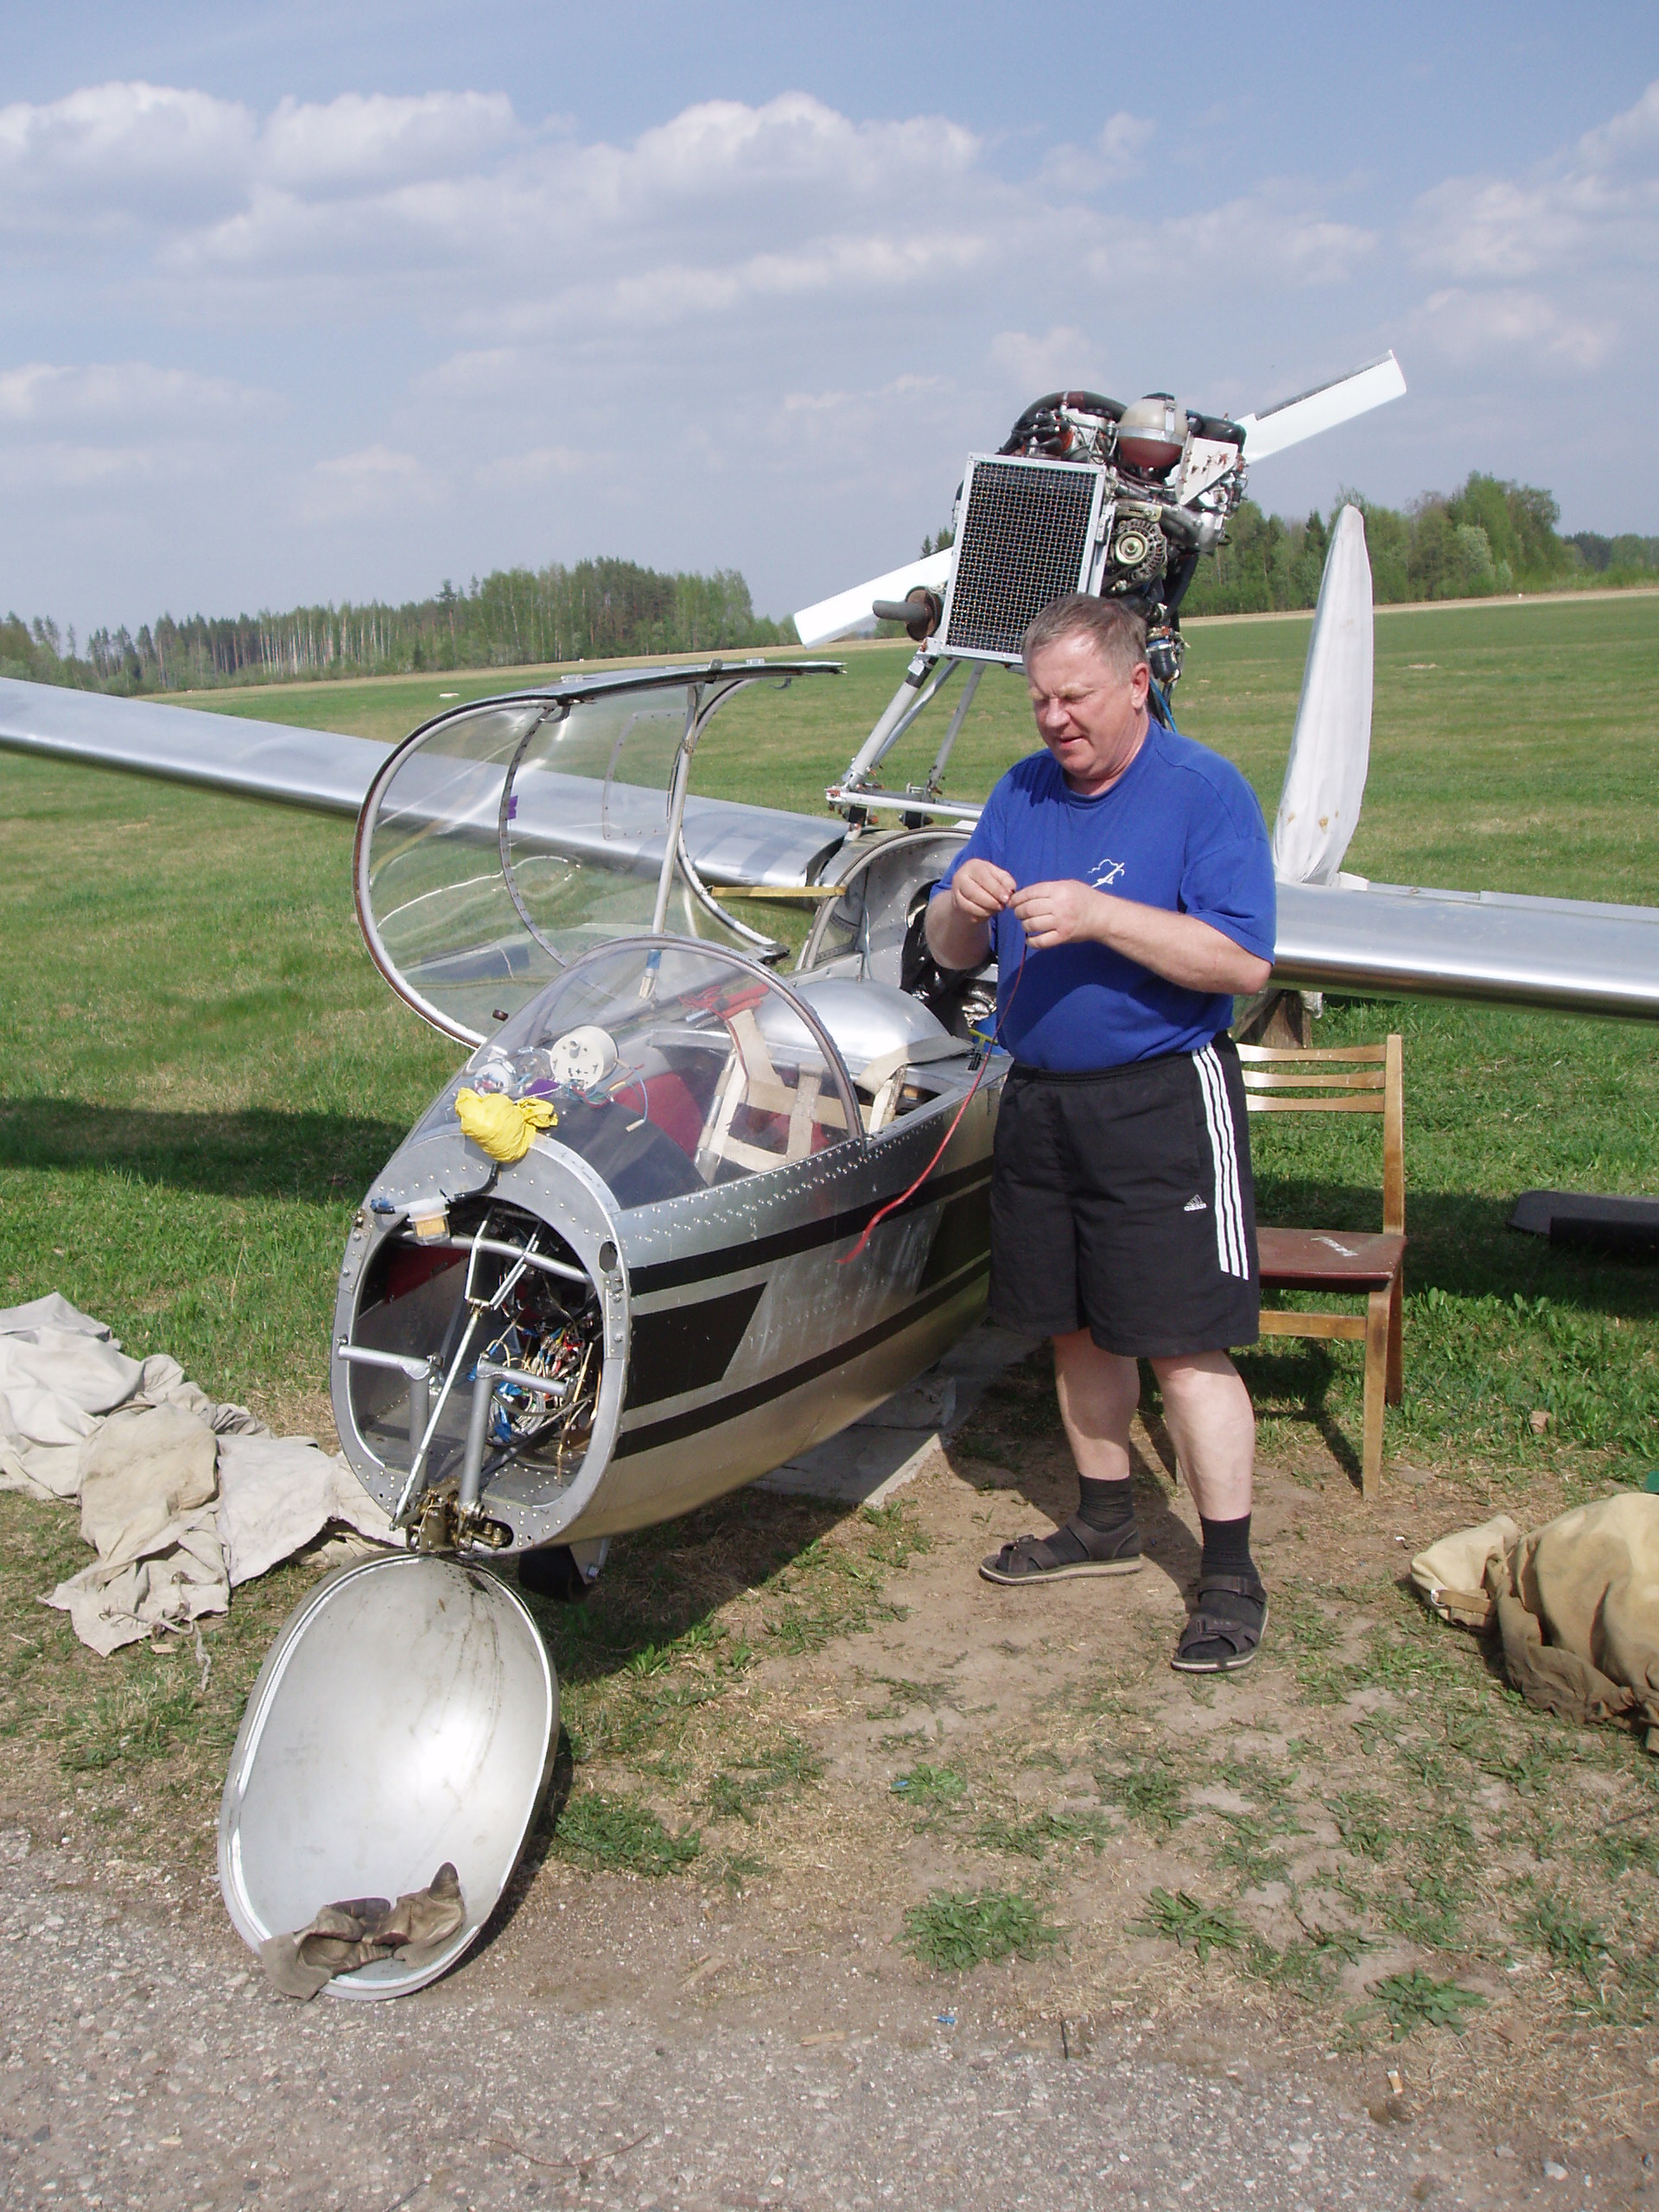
(1238, 1640)
(1042, 1559)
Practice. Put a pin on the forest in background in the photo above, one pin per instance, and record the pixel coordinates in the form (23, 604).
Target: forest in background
(597, 610)
(1489, 537)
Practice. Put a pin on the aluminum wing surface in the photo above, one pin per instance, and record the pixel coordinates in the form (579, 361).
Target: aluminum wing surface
(328, 773)
(314, 768)
(508, 838)
(1571, 956)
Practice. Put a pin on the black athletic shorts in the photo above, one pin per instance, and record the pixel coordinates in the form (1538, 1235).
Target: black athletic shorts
(1122, 1203)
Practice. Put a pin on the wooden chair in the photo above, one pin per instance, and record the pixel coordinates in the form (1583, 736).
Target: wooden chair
(1352, 1079)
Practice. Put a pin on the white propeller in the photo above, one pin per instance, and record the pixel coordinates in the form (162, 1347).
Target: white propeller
(1267, 434)
(834, 618)
(1322, 408)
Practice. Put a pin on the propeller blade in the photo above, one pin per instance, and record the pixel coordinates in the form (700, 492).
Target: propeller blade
(851, 610)
(1310, 412)
(1331, 750)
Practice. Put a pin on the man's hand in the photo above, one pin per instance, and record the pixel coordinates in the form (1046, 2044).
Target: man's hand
(959, 920)
(1178, 947)
(1060, 913)
(982, 889)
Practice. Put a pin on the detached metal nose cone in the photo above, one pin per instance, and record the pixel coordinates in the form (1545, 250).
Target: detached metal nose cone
(407, 1715)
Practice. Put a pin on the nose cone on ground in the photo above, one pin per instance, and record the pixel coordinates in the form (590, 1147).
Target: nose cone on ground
(406, 1715)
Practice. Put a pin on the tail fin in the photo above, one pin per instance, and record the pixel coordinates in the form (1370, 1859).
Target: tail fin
(1330, 751)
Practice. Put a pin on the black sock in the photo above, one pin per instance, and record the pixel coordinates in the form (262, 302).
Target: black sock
(1226, 1548)
(1106, 1506)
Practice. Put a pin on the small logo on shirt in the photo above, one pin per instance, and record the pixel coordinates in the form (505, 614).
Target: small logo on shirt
(1105, 873)
(1195, 1205)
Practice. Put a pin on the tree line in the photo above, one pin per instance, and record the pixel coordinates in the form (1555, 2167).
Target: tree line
(599, 609)
(1488, 537)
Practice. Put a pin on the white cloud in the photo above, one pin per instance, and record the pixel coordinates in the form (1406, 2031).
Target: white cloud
(1596, 205)
(356, 144)
(118, 157)
(1508, 322)
(1123, 139)
(1116, 155)
(374, 481)
(540, 465)
(1061, 358)
(57, 464)
(721, 146)
(42, 394)
(1281, 235)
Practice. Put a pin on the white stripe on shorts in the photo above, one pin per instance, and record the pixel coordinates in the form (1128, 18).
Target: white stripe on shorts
(1231, 1247)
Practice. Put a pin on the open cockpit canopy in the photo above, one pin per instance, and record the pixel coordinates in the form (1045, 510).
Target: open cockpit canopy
(507, 838)
(669, 1066)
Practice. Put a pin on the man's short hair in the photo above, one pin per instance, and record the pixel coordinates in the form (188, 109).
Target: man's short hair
(1117, 632)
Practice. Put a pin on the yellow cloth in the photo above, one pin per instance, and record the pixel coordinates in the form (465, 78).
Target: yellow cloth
(501, 1126)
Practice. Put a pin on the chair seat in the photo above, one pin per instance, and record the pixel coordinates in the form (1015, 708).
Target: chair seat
(1328, 1259)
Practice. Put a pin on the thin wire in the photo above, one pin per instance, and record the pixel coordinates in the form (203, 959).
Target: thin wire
(893, 1205)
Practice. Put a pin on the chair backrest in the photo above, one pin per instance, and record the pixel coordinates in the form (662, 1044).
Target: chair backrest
(1338, 1079)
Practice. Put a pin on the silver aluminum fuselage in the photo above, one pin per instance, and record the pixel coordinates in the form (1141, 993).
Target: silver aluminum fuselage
(737, 1328)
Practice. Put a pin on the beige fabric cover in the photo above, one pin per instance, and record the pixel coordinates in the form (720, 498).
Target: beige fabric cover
(1579, 1616)
(1452, 1574)
(278, 1494)
(181, 1497)
(1576, 1604)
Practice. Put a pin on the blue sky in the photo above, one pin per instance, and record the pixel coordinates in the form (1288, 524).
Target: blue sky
(310, 303)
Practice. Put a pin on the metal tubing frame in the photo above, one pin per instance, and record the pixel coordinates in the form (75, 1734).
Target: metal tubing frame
(905, 802)
(890, 721)
(936, 774)
(674, 842)
(486, 1375)
(417, 1372)
(413, 1369)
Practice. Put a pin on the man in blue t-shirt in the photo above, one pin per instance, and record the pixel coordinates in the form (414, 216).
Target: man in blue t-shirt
(1123, 880)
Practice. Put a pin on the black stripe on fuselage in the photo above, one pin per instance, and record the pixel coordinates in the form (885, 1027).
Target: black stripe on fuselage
(761, 1251)
(676, 1426)
(687, 1347)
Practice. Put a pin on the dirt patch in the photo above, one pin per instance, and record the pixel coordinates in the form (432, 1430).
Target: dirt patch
(806, 1752)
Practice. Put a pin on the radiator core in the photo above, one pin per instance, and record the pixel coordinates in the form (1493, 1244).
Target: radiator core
(1025, 535)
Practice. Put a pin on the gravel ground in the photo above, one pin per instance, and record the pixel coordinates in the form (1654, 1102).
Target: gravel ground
(147, 2065)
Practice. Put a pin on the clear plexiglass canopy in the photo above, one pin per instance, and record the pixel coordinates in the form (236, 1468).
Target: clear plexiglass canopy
(505, 840)
(669, 1066)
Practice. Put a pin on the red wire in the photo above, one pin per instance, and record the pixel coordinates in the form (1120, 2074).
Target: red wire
(893, 1205)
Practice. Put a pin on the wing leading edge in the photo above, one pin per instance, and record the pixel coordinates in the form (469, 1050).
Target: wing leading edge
(316, 768)
(1569, 955)
(328, 773)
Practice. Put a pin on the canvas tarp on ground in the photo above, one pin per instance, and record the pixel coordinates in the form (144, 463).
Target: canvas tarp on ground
(181, 1497)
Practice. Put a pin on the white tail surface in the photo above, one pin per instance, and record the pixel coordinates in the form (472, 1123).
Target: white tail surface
(1330, 751)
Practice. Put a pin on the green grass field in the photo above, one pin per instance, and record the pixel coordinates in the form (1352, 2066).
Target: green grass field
(202, 1070)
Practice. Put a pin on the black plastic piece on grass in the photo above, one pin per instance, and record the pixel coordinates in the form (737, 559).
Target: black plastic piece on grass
(1627, 1226)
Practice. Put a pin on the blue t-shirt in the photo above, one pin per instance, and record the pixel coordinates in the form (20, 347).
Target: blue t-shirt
(1180, 830)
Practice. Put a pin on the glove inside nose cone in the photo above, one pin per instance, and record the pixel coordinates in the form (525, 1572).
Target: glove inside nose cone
(407, 1715)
